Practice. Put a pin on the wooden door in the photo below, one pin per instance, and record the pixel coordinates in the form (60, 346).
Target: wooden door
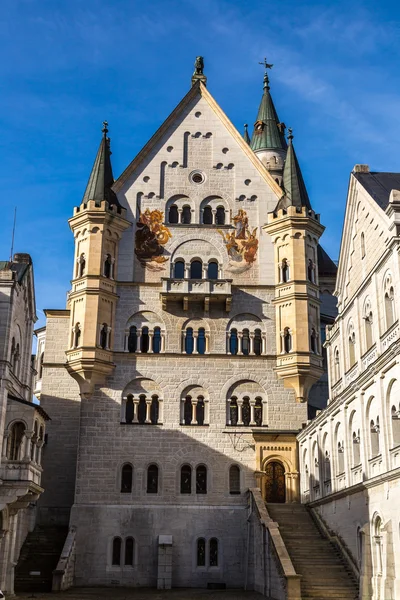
(275, 489)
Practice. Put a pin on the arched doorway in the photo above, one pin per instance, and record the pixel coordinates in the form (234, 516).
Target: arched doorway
(275, 487)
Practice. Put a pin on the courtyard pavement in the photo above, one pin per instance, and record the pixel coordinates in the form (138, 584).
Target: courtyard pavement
(145, 594)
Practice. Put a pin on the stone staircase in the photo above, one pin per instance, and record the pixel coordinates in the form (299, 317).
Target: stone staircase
(40, 553)
(324, 574)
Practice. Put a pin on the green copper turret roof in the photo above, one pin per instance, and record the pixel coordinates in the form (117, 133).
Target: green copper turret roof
(292, 182)
(101, 178)
(246, 136)
(268, 131)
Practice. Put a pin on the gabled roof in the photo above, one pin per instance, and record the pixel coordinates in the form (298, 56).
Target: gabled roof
(101, 177)
(326, 266)
(270, 135)
(379, 185)
(197, 89)
(295, 191)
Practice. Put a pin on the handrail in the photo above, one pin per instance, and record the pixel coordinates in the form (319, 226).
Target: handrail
(278, 548)
(63, 574)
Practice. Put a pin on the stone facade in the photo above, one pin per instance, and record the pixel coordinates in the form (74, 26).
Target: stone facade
(22, 423)
(350, 454)
(168, 408)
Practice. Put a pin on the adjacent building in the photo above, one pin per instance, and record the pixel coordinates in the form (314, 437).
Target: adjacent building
(350, 453)
(22, 422)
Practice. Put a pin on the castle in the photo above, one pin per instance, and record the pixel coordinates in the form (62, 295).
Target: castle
(180, 377)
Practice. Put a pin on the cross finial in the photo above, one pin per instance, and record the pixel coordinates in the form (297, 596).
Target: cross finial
(105, 127)
(290, 132)
(266, 65)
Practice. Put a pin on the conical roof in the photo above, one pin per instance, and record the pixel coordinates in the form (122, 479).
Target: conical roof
(293, 182)
(101, 178)
(268, 131)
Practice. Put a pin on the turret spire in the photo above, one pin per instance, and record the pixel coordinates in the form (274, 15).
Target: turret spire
(101, 178)
(293, 183)
(268, 131)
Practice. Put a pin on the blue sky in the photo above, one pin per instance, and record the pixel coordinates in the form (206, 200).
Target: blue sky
(67, 66)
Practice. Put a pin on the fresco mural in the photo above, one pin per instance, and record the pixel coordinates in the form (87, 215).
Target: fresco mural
(150, 239)
(241, 244)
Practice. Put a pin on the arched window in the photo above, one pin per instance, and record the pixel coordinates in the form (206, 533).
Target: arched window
(287, 340)
(356, 449)
(17, 357)
(313, 341)
(257, 342)
(352, 347)
(284, 271)
(179, 269)
(12, 351)
(34, 441)
(81, 265)
(173, 215)
(152, 479)
(129, 409)
(186, 215)
(362, 245)
(103, 336)
(201, 552)
(368, 328)
(340, 458)
(200, 410)
(246, 411)
(310, 271)
(116, 551)
(129, 552)
(246, 342)
(15, 441)
(196, 270)
(395, 426)
(157, 340)
(233, 341)
(207, 215)
(201, 341)
(213, 552)
(108, 266)
(186, 479)
(187, 410)
(189, 343)
(212, 270)
(234, 480)
(337, 365)
(258, 412)
(144, 340)
(142, 409)
(327, 467)
(132, 339)
(233, 411)
(126, 479)
(220, 215)
(375, 430)
(77, 335)
(389, 307)
(201, 480)
(154, 410)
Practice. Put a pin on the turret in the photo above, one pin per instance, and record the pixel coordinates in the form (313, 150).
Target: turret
(268, 139)
(97, 225)
(295, 230)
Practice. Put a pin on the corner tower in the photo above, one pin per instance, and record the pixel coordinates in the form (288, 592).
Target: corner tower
(295, 231)
(97, 225)
(268, 139)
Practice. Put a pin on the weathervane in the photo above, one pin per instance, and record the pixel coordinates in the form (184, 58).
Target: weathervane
(266, 65)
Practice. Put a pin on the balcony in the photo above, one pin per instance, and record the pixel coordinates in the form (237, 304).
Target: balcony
(390, 336)
(356, 474)
(195, 290)
(20, 471)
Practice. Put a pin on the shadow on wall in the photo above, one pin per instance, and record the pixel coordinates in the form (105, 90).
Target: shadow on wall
(177, 485)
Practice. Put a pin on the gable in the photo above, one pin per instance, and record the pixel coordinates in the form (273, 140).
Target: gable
(365, 234)
(198, 159)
